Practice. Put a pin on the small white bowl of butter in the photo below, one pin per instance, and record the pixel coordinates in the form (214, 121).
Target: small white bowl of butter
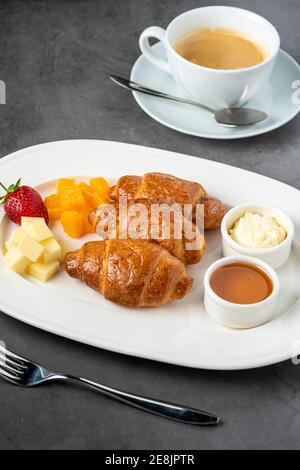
(257, 230)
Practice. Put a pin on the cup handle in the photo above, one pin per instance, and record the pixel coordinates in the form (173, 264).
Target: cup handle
(147, 50)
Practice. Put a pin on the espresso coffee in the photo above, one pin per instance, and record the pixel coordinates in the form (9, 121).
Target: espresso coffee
(219, 48)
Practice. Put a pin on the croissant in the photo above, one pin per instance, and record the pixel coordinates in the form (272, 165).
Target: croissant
(188, 249)
(158, 188)
(163, 188)
(214, 211)
(132, 273)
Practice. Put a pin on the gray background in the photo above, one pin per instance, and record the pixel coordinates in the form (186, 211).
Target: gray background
(55, 57)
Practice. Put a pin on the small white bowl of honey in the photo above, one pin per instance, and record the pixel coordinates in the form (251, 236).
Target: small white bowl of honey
(241, 291)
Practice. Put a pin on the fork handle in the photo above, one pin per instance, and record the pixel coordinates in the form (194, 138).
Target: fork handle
(167, 410)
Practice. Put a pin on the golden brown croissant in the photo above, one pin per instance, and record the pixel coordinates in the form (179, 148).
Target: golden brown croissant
(214, 211)
(133, 273)
(163, 188)
(189, 248)
(158, 187)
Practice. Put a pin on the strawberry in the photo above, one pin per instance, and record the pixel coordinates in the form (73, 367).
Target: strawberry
(23, 201)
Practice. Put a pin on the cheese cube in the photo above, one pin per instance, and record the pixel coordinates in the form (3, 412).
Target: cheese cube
(39, 231)
(8, 245)
(43, 272)
(29, 220)
(52, 251)
(15, 260)
(64, 250)
(30, 248)
(17, 236)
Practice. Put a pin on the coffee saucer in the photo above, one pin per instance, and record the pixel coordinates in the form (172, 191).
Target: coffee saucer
(277, 98)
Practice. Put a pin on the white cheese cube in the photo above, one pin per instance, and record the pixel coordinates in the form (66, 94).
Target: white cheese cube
(30, 248)
(17, 236)
(29, 220)
(52, 251)
(64, 250)
(8, 245)
(39, 231)
(15, 260)
(43, 272)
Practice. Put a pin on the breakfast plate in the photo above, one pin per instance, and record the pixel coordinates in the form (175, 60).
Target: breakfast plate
(180, 332)
(275, 98)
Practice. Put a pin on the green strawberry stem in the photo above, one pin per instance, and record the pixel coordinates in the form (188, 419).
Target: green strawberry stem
(5, 189)
(11, 189)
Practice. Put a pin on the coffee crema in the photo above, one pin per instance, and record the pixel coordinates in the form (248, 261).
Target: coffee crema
(222, 49)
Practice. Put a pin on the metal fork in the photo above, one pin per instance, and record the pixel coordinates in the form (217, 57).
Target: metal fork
(20, 371)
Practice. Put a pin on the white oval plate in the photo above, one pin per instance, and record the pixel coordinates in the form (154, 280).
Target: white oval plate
(275, 98)
(181, 332)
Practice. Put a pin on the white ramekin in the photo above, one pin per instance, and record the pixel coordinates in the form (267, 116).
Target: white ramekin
(275, 256)
(240, 316)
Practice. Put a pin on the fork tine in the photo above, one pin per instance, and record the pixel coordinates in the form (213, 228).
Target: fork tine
(4, 358)
(7, 375)
(10, 368)
(12, 355)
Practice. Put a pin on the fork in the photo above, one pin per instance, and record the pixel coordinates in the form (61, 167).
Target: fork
(22, 372)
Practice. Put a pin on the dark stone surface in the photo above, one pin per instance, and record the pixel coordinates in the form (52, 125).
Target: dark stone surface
(55, 57)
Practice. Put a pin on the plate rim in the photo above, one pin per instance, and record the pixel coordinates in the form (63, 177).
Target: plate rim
(178, 155)
(269, 359)
(140, 102)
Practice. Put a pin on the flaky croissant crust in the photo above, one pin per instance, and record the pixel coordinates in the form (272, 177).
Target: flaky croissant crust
(164, 188)
(189, 248)
(132, 273)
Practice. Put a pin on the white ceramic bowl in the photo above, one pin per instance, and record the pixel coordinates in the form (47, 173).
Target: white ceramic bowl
(240, 316)
(275, 256)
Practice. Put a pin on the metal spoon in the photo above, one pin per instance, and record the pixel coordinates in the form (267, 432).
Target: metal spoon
(231, 117)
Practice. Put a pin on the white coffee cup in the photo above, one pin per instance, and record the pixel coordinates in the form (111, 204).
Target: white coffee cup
(215, 88)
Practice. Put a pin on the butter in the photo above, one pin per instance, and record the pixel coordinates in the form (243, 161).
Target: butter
(254, 230)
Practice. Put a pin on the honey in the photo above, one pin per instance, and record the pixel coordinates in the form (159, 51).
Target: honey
(241, 283)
